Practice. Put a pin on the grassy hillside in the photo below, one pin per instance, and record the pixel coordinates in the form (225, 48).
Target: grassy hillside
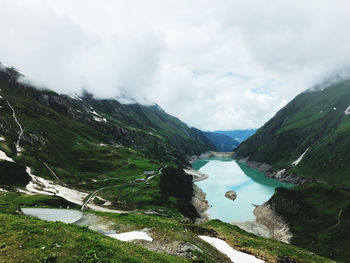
(315, 121)
(34, 240)
(88, 144)
(319, 217)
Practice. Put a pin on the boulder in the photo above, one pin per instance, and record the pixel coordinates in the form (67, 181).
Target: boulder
(231, 195)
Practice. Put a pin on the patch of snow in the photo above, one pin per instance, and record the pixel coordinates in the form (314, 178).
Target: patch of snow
(100, 119)
(75, 97)
(297, 161)
(321, 111)
(95, 113)
(107, 203)
(3, 190)
(347, 111)
(133, 235)
(2, 139)
(334, 108)
(1, 97)
(39, 185)
(102, 144)
(235, 255)
(3, 156)
(23, 191)
(279, 173)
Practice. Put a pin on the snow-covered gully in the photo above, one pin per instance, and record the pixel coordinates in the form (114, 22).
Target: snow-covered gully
(297, 161)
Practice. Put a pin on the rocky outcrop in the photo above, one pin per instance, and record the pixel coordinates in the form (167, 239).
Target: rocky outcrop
(281, 175)
(200, 203)
(231, 195)
(278, 228)
(196, 175)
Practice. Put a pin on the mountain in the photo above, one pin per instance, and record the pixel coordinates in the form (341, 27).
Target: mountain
(309, 137)
(86, 144)
(307, 142)
(222, 142)
(123, 162)
(238, 135)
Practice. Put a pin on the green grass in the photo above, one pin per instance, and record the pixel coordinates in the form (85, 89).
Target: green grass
(26, 239)
(171, 230)
(318, 216)
(23, 238)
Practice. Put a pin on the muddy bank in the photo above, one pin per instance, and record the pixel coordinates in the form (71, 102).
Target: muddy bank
(270, 172)
(201, 204)
(278, 228)
(267, 224)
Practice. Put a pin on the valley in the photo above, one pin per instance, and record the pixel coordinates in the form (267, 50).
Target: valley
(124, 171)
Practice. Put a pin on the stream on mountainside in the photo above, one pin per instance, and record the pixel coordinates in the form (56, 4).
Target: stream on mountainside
(250, 185)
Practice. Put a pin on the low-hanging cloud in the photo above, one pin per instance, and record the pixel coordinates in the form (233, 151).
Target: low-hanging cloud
(224, 65)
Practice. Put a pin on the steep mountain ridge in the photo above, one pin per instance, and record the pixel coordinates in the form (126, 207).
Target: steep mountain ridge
(309, 137)
(84, 144)
(307, 142)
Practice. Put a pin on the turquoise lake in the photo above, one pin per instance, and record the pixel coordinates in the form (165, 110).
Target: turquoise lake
(251, 186)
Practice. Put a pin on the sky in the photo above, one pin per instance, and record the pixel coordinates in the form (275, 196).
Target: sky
(216, 65)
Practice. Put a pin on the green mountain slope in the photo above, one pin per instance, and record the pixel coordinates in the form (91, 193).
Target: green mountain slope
(319, 217)
(313, 123)
(309, 138)
(87, 144)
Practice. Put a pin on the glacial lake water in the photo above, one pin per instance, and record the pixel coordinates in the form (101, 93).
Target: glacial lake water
(225, 174)
(52, 214)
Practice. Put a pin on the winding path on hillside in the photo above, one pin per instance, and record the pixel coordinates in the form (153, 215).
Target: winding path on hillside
(110, 186)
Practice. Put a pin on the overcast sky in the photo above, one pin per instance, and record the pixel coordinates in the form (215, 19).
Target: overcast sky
(214, 64)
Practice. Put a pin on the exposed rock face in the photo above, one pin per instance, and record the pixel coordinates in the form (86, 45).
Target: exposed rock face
(279, 230)
(270, 172)
(200, 203)
(196, 175)
(231, 195)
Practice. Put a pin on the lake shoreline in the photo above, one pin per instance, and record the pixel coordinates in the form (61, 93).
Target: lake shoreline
(270, 172)
(199, 200)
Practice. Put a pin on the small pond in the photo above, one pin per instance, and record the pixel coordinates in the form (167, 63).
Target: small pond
(52, 214)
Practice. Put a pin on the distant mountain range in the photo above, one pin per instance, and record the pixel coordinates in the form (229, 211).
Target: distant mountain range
(222, 142)
(238, 135)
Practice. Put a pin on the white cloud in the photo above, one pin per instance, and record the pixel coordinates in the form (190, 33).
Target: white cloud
(224, 65)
